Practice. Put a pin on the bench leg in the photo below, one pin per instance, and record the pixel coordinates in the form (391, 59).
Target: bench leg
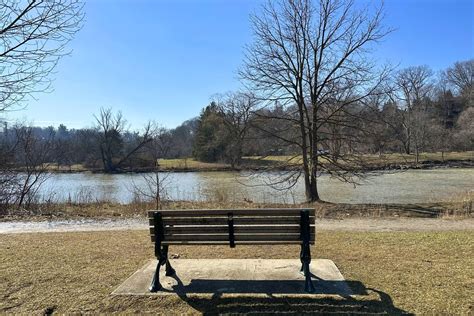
(169, 271)
(305, 257)
(155, 282)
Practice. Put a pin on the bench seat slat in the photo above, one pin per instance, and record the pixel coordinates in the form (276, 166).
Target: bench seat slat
(275, 242)
(245, 235)
(237, 212)
(170, 230)
(238, 237)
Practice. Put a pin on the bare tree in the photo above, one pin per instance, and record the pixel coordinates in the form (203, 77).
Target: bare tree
(8, 175)
(441, 138)
(314, 56)
(236, 109)
(154, 182)
(461, 77)
(31, 156)
(110, 129)
(464, 135)
(414, 86)
(381, 134)
(111, 144)
(33, 37)
(423, 126)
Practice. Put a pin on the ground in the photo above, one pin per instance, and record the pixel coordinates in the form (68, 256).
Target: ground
(403, 257)
(429, 272)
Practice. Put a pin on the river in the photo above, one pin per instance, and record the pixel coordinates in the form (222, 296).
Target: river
(410, 186)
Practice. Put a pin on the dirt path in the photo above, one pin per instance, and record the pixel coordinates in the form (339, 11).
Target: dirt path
(350, 224)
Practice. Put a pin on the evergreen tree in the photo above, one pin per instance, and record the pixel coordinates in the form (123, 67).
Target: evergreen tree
(211, 136)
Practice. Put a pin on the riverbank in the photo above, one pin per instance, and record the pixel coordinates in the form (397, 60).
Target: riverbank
(284, 163)
(459, 207)
(409, 272)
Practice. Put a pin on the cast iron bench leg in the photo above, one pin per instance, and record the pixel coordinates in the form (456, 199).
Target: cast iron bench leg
(305, 261)
(155, 282)
(305, 254)
(169, 271)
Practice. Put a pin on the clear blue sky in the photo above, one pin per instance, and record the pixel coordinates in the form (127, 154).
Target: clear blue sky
(162, 60)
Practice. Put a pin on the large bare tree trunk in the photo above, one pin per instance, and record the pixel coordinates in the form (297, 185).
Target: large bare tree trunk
(313, 195)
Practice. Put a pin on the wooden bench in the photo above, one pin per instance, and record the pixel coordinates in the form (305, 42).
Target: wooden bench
(231, 227)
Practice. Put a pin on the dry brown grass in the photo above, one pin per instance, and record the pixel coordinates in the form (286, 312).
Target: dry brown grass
(116, 210)
(190, 164)
(390, 158)
(423, 273)
(460, 205)
(435, 156)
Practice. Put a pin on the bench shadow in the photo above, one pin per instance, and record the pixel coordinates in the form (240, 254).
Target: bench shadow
(268, 297)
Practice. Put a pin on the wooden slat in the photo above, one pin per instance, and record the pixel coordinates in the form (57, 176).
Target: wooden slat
(225, 237)
(202, 236)
(238, 237)
(267, 242)
(237, 212)
(237, 220)
(293, 242)
(169, 230)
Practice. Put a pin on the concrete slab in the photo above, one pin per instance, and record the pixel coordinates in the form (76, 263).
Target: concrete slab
(237, 276)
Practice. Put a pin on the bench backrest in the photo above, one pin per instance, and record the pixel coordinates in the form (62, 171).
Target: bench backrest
(242, 226)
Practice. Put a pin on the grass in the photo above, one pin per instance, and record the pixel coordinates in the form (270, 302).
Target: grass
(274, 161)
(54, 167)
(424, 157)
(422, 273)
(395, 157)
(460, 205)
(381, 160)
(190, 164)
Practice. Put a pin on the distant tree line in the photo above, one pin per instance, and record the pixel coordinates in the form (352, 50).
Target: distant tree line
(109, 145)
(420, 112)
(423, 112)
